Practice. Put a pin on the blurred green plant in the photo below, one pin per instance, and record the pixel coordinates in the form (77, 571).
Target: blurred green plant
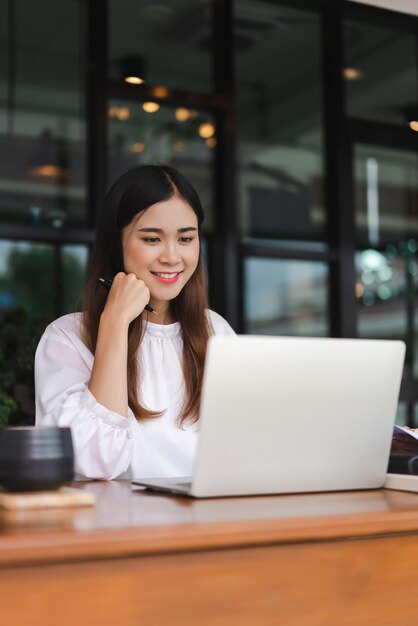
(19, 336)
(29, 280)
(29, 283)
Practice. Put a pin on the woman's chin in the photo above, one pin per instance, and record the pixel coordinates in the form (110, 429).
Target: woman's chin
(164, 296)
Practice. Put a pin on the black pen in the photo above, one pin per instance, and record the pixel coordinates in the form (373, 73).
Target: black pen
(108, 283)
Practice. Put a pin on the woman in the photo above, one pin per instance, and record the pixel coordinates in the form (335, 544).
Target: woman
(128, 381)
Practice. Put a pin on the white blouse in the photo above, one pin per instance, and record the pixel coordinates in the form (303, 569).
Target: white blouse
(107, 444)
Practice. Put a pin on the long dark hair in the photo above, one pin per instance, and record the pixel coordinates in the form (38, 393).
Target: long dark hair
(136, 191)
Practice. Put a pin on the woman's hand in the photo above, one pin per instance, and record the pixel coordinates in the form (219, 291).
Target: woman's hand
(108, 382)
(127, 298)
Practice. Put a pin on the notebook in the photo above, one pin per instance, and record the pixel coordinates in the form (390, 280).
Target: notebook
(293, 415)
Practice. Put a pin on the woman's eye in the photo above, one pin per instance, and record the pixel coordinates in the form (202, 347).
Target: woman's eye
(151, 239)
(186, 239)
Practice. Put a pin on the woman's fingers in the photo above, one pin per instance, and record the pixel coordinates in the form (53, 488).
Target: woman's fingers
(127, 297)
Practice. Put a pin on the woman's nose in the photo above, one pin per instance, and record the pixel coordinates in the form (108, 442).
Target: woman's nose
(170, 254)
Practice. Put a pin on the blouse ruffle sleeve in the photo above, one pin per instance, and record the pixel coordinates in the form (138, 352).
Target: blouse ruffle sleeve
(102, 438)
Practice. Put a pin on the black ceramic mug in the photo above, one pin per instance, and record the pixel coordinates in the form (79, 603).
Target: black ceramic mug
(35, 458)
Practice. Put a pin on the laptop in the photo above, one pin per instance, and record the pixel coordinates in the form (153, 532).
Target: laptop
(293, 415)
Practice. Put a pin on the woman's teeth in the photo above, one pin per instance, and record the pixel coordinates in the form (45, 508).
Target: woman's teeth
(165, 275)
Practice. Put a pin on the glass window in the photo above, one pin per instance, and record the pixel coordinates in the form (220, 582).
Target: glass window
(163, 43)
(180, 137)
(386, 195)
(407, 415)
(27, 277)
(4, 63)
(42, 126)
(43, 280)
(402, 418)
(285, 297)
(73, 271)
(38, 282)
(381, 292)
(280, 136)
(387, 297)
(380, 71)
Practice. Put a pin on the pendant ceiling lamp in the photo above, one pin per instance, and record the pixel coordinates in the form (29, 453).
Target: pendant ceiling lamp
(132, 69)
(49, 161)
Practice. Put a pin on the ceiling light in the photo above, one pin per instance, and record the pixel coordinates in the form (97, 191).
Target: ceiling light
(123, 114)
(120, 113)
(150, 107)
(138, 147)
(352, 73)
(133, 80)
(182, 115)
(178, 145)
(47, 171)
(132, 69)
(413, 125)
(50, 158)
(160, 92)
(206, 130)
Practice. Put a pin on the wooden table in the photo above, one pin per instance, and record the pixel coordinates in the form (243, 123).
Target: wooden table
(147, 559)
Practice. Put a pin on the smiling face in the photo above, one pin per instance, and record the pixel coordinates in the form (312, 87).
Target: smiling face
(161, 247)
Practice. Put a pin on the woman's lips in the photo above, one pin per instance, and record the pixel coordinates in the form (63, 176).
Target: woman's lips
(167, 277)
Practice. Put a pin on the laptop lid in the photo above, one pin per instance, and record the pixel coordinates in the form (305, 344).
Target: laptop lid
(289, 415)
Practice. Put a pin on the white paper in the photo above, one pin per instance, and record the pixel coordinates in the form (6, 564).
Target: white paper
(405, 431)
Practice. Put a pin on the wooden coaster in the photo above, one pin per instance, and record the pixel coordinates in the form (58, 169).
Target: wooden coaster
(63, 497)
